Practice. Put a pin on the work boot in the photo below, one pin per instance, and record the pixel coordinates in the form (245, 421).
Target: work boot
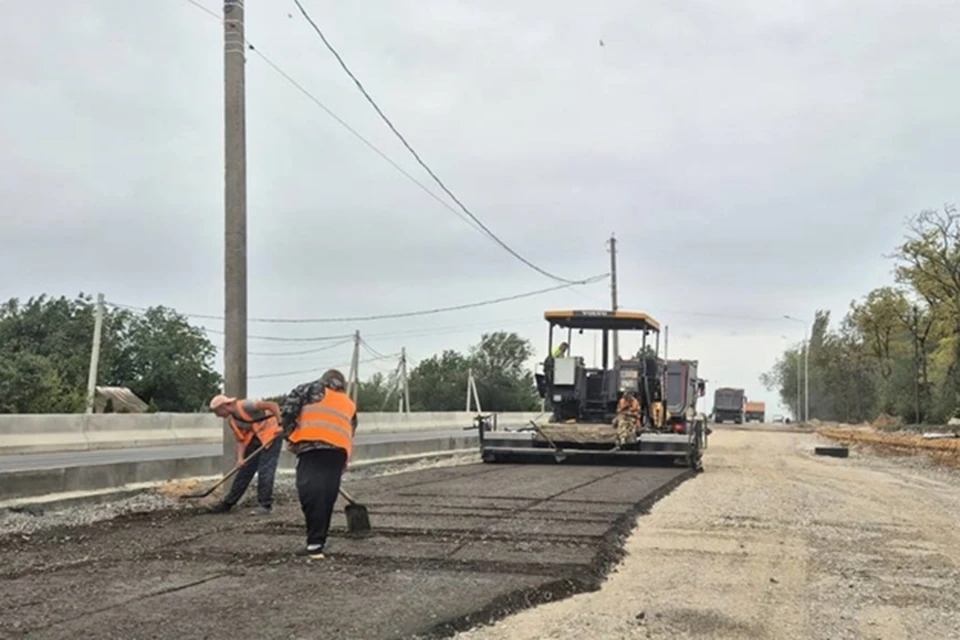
(220, 507)
(312, 552)
(261, 511)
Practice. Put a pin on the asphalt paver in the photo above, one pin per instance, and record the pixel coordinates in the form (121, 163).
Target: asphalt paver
(450, 548)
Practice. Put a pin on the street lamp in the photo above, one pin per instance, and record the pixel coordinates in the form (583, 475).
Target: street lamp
(806, 369)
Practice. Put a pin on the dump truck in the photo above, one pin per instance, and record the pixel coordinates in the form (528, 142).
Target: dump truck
(583, 400)
(755, 412)
(728, 405)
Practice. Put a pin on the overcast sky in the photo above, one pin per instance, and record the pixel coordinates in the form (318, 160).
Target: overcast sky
(755, 158)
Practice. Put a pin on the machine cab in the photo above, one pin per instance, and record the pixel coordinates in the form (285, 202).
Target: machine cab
(576, 392)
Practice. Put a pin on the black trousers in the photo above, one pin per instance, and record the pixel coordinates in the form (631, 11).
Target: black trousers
(264, 466)
(318, 482)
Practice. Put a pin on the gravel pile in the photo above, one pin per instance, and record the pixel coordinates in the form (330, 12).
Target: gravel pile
(32, 519)
(774, 542)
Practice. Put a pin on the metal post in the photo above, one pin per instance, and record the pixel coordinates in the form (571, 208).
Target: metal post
(95, 354)
(613, 290)
(235, 213)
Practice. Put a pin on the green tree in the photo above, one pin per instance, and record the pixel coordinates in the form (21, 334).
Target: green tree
(499, 368)
(929, 262)
(45, 354)
(439, 383)
(167, 361)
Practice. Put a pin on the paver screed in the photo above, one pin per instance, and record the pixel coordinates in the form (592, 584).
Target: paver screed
(450, 548)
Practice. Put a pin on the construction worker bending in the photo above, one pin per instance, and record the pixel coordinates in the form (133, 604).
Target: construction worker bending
(627, 419)
(319, 421)
(254, 423)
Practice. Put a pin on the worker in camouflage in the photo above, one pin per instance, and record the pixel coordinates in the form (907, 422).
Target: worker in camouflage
(627, 419)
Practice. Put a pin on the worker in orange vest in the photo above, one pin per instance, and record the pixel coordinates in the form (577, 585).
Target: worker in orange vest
(319, 421)
(628, 417)
(253, 422)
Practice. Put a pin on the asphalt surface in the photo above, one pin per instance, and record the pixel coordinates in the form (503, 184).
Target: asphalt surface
(451, 547)
(56, 460)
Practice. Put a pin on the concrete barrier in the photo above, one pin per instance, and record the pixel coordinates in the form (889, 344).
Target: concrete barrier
(78, 432)
(19, 485)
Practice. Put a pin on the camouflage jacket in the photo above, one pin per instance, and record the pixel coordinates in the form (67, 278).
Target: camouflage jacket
(293, 404)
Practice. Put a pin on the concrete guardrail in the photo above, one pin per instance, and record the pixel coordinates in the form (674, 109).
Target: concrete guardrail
(79, 432)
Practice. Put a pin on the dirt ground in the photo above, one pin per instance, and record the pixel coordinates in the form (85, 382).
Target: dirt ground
(451, 547)
(774, 542)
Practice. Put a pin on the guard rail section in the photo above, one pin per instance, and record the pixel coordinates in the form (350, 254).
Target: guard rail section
(45, 433)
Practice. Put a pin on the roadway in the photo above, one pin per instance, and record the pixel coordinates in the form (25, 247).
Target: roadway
(451, 548)
(60, 459)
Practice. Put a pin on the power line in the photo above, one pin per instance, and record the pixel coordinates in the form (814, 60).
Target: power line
(310, 96)
(416, 155)
(383, 316)
(312, 370)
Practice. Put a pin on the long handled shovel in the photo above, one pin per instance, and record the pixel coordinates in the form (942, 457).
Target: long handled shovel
(230, 474)
(558, 454)
(358, 518)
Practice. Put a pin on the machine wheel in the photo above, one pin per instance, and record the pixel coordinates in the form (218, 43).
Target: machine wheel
(489, 458)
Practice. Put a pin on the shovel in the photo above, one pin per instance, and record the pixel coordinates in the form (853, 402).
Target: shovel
(230, 474)
(358, 518)
(558, 455)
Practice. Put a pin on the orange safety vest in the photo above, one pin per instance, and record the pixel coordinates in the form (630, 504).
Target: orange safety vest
(266, 430)
(631, 406)
(329, 420)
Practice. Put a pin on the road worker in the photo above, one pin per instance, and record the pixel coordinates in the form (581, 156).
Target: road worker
(560, 351)
(319, 421)
(254, 423)
(628, 417)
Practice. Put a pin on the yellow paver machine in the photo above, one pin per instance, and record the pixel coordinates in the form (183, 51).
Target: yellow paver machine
(583, 401)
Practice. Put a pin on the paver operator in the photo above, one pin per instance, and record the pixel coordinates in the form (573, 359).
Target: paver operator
(628, 417)
(319, 421)
(254, 422)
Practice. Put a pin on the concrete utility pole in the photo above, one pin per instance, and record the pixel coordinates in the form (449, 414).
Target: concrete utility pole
(95, 354)
(235, 212)
(353, 387)
(613, 290)
(406, 386)
(666, 341)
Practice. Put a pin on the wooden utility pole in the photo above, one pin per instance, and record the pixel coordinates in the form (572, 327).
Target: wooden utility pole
(613, 291)
(95, 354)
(235, 213)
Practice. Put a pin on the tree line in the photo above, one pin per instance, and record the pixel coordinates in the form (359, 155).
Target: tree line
(897, 349)
(45, 346)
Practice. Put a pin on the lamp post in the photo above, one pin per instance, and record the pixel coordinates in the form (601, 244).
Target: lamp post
(806, 369)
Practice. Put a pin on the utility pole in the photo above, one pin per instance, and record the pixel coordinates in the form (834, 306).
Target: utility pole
(666, 341)
(403, 376)
(235, 212)
(95, 354)
(807, 339)
(354, 377)
(613, 291)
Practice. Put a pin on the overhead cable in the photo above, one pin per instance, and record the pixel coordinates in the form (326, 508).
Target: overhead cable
(385, 316)
(416, 155)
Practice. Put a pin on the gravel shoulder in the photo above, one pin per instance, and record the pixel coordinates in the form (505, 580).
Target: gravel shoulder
(774, 542)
